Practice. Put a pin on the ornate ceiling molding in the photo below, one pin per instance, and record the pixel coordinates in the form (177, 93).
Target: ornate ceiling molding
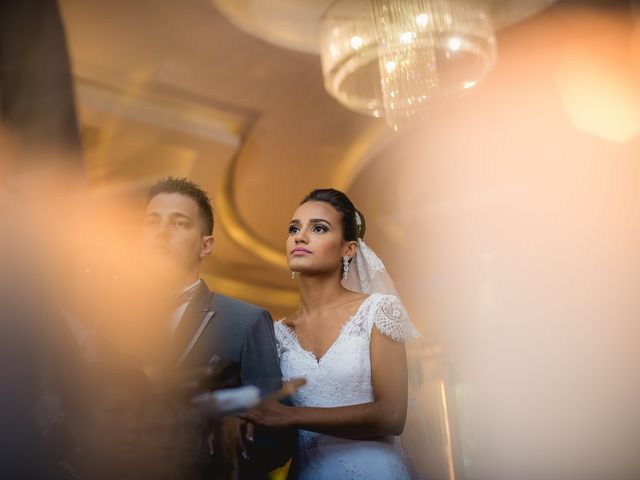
(361, 152)
(235, 226)
(161, 111)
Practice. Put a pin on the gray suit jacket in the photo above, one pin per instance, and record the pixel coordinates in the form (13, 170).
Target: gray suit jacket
(218, 328)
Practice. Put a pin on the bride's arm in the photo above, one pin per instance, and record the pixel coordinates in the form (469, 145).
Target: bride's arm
(383, 416)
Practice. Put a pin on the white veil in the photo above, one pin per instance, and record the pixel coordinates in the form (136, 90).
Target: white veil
(367, 274)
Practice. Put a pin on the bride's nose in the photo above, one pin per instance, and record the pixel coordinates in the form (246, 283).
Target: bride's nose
(300, 237)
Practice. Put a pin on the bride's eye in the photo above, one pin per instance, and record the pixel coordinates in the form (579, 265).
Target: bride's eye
(293, 229)
(320, 229)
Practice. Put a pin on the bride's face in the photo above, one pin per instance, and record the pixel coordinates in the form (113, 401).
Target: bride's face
(315, 243)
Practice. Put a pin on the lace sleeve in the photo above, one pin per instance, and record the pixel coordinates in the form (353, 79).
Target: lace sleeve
(391, 319)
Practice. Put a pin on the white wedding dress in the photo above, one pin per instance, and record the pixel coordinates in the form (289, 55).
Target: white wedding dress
(343, 377)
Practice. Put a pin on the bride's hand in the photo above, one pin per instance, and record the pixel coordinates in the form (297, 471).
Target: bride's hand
(270, 414)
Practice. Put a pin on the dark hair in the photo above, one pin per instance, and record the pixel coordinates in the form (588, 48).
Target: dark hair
(353, 224)
(190, 189)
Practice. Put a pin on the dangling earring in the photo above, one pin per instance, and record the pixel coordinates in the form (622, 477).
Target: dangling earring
(293, 275)
(345, 267)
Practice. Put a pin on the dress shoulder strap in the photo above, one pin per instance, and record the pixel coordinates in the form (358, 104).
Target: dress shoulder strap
(391, 318)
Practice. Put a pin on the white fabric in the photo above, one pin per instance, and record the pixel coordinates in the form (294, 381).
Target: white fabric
(183, 297)
(343, 377)
(367, 273)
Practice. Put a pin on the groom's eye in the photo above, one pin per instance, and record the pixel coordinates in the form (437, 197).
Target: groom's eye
(150, 221)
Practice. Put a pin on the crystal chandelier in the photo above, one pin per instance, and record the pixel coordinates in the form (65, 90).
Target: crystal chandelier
(388, 58)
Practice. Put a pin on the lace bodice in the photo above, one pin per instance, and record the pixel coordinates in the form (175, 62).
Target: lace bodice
(341, 377)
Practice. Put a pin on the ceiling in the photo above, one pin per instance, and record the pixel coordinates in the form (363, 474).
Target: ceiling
(169, 87)
(189, 94)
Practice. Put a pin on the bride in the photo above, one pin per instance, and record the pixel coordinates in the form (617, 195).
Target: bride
(348, 343)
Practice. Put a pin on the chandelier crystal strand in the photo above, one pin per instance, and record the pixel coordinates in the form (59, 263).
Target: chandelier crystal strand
(465, 43)
(428, 49)
(406, 58)
(349, 54)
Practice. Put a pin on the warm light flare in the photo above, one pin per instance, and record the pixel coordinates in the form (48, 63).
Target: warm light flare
(600, 88)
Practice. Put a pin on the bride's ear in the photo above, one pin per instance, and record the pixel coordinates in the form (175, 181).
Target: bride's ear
(351, 249)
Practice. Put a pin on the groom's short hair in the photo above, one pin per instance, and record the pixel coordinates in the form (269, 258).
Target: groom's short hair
(186, 187)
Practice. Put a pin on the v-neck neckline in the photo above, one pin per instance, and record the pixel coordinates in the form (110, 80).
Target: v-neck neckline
(311, 353)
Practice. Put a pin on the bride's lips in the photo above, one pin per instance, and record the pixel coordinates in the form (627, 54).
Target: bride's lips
(300, 251)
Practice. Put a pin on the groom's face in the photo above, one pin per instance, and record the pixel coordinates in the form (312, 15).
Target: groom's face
(173, 228)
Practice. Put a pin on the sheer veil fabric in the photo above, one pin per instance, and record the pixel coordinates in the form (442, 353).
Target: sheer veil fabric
(367, 274)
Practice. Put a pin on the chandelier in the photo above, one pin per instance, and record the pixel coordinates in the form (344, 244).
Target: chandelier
(388, 58)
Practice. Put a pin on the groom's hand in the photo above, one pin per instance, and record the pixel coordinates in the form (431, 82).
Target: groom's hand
(237, 437)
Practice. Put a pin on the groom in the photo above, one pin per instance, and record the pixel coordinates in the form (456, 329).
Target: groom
(208, 328)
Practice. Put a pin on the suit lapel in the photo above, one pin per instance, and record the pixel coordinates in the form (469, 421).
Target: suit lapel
(193, 323)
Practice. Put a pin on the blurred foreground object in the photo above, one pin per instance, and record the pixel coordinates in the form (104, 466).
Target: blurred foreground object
(36, 88)
(524, 252)
(228, 401)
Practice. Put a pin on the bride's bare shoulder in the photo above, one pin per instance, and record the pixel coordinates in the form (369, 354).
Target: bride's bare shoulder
(290, 320)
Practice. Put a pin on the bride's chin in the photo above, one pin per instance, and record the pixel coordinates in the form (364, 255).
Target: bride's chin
(310, 272)
(298, 266)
